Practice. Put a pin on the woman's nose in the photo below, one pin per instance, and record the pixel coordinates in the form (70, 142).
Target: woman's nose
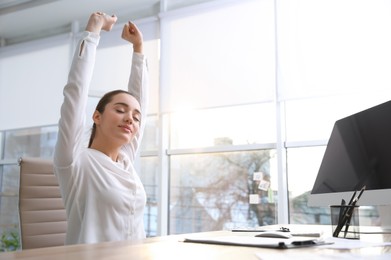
(128, 119)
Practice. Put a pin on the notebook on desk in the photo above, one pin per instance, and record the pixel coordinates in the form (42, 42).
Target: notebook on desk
(252, 241)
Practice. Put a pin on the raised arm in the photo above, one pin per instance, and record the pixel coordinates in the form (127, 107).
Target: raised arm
(132, 34)
(138, 81)
(71, 123)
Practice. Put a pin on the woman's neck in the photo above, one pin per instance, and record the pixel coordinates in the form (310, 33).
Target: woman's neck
(111, 152)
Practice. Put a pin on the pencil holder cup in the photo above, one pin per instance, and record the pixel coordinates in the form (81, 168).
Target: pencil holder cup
(345, 221)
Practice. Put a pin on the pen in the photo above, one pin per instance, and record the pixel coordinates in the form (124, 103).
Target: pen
(341, 210)
(353, 204)
(348, 218)
(361, 192)
(282, 229)
(342, 213)
(345, 211)
(352, 198)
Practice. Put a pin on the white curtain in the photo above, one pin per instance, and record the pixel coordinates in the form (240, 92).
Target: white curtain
(218, 55)
(328, 47)
(31, 87)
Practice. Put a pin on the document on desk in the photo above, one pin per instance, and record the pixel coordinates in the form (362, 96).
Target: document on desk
(341, 243)
(252, 241)
(297, 255)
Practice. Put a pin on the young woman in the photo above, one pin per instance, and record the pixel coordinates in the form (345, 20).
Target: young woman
(103, 195)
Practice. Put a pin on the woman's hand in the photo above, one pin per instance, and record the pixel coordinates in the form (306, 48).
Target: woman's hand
(133, 35)
(100, 21)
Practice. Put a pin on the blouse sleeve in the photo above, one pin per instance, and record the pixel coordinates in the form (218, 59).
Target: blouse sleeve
(138, 87)
(72, 114)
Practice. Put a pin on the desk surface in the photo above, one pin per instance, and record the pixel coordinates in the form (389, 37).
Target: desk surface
(172, 247)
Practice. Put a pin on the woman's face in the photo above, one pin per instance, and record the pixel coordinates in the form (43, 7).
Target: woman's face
(120, 121)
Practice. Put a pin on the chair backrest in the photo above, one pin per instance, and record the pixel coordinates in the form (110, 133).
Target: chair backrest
(43, 220)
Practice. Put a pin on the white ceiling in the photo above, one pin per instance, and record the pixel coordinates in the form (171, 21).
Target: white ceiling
(22, 20)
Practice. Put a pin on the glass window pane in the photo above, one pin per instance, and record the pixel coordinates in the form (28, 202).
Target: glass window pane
(303, 165)
(236, 125)
(35, 142)
(149, 178)
(9, 190)
(212, 191)
(151, 133)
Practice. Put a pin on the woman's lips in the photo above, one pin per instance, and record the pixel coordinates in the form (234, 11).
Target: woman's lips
(126, 128)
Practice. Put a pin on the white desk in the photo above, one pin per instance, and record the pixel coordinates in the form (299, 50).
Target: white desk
(171, 247)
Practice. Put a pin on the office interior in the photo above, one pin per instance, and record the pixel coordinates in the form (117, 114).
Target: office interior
(243, 98)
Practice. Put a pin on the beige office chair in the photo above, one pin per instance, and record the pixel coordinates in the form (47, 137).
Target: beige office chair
(42, 215)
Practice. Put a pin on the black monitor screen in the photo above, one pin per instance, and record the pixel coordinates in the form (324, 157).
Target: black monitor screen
(358, 153)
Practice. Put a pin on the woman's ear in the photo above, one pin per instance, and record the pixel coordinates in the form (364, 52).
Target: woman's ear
(96, 117)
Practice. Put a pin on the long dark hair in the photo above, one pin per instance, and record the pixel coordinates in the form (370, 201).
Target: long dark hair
(100, 107)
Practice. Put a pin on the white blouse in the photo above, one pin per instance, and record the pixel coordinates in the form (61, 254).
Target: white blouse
(104, 200)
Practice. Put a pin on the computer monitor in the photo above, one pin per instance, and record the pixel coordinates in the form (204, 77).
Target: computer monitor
(358, 153)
